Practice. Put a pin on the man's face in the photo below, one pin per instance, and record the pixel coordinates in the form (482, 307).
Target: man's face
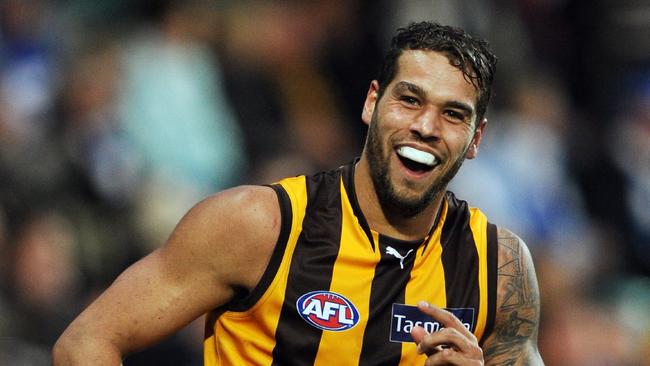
(421, 130)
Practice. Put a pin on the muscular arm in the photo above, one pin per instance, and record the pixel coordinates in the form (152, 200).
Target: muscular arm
(514, 339)
(205, 258)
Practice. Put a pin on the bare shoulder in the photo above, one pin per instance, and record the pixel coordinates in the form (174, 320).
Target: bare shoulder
(224, 229)
(243, 210)
(514, 339)
(222, 243)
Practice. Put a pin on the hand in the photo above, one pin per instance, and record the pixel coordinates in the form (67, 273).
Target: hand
(452, 345)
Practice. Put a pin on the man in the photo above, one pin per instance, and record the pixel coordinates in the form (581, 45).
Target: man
(352, 266)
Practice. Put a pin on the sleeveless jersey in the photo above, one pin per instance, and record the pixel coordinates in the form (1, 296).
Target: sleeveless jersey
(335, 292)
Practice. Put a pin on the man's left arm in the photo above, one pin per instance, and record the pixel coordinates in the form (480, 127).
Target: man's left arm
(514, 338)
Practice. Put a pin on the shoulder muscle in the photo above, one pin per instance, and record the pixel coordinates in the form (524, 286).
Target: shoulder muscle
(231, 233)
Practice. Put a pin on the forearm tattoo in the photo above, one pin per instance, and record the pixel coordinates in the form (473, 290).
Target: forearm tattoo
(515, 335)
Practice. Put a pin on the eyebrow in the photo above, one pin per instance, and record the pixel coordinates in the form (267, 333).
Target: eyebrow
(417, 90)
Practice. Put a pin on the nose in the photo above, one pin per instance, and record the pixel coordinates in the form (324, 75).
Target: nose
(426, 124)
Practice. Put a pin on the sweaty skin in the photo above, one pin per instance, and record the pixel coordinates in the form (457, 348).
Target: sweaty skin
(429, 106)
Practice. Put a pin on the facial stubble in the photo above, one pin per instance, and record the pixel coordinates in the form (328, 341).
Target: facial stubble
(391, 200)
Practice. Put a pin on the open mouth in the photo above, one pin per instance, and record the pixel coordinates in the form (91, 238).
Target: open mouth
(416, 160)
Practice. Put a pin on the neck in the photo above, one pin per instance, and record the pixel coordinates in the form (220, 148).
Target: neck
(385, 221)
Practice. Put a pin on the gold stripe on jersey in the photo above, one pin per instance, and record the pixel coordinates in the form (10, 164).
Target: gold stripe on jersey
(356, 261)
(232, 327)
(427, 277)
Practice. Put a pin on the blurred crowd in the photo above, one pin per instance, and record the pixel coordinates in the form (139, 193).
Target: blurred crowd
(117, 116)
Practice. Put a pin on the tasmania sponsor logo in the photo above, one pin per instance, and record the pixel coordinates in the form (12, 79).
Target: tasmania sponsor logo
(327, 310)
(405, 318)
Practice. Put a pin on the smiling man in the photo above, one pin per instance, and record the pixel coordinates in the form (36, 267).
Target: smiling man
(373, 263)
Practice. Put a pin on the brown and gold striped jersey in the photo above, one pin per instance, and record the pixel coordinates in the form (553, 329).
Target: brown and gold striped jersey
(337, 292)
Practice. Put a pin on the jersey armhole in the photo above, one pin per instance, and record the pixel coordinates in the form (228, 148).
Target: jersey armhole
(245, 302)
(492, 267)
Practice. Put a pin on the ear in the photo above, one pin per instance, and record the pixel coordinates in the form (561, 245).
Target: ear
(371, 102)
(472, 152)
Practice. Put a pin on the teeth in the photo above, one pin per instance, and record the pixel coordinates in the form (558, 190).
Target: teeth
(416, 155)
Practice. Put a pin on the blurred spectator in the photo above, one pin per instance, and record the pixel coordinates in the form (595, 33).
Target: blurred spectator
(286, 103)
(522, 170)
(46, 279)
(45, 287)
(472, 15)
(4, 249)
(30, 160)
(92, 128)
(175, 115)
(631, 152)
(584, 324)
(5, 272)
(27, 72)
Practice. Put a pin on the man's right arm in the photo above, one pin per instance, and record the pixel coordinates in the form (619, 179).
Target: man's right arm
(205, 258)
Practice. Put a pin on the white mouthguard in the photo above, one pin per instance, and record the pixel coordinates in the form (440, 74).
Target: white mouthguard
(416, 155)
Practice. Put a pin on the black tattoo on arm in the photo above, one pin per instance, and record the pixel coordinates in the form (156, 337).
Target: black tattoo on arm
(514, 339)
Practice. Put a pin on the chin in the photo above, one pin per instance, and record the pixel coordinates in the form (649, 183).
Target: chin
(405, 204)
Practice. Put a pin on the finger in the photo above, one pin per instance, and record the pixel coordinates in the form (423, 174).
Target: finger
(449, 356)
(446, 356)
(418, 333)
(446, 338)
(446, 318)
(440, 358)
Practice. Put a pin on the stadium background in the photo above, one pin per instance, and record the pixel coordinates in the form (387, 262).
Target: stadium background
(117, 116)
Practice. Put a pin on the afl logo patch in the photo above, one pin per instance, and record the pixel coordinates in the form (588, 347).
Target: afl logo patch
(327, 311)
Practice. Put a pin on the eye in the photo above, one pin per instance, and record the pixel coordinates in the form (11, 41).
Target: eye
(410, 100)
(457, 116)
